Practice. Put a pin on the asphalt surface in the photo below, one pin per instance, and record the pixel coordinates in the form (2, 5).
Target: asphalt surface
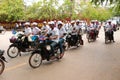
(92, 61)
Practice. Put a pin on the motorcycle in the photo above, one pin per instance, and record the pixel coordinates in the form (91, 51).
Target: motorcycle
(70, 39)
(108, 36)
(19, 45)
(44, 53)
(2, 60)
(91, 36)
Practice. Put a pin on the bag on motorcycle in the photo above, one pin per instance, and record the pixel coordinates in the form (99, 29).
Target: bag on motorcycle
(13, 39)
(30, 38)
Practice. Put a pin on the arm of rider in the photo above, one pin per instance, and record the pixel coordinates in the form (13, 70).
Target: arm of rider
(74, 31)
(53, 37)
(28, 34)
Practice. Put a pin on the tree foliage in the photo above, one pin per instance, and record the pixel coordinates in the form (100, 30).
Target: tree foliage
(11, 10)
(98, 13)
(116, 3)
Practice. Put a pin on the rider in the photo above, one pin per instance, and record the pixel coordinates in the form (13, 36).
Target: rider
(79, 30)
(35, 31)
(54, 37)
(97, 27)
(45, 28)
(62, 35)
(74, 31)
(28, 32)
(92, 27)
(109, 28)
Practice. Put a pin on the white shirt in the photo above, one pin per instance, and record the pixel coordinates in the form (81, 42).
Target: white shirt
(45, 27)
(28, 30)
(62, 31)
(66, 26)
(55, 32)
(72, 29)
(35, 30)
(91, 27)
(108, 27)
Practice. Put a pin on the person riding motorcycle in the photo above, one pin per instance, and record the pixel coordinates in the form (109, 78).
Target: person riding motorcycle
(35, 29)
(73, 31)
(97, 28)
(27, 33)
(79, 31)
(62, 35)
(54, 36)
(92, 28)
(109, 29)
(45, 28)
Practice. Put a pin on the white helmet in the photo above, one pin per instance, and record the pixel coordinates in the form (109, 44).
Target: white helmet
(72, 21)
(52, 22)
(27, 23)
(44, 22)
(59, 22)
(34, 23)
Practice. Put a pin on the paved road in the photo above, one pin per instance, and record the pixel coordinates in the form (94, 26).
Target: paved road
(93, 61)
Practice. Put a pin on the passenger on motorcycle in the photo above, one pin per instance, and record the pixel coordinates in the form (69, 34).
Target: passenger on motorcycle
(74, 31)
(27, 33)
(97, 28)
(109, 29)
(54, 37)
(62, 35)
(45, 28)
(79, 30)
(66, 25)
(35, 29)
(92, 27)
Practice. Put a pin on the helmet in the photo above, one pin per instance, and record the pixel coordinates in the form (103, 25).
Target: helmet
(73, 21)
(44, 22)
(59, 22)
(51, 22)
(27, 23)
(34, 23)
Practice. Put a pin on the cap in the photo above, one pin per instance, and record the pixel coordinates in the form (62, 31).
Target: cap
(27, 23)
(45, 22)
(59, 22)
(72, 21)
(34, 23)
(51, 22)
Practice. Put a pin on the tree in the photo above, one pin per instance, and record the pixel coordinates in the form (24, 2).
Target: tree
(92, 12)
(11, 10)
(116, 3)
(44, 10)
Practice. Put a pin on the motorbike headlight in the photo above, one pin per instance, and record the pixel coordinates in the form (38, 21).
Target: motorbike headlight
(48, 47)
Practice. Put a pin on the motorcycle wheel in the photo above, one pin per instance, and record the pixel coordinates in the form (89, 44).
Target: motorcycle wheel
(2, 66)
(12, 51)
(35, 60)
